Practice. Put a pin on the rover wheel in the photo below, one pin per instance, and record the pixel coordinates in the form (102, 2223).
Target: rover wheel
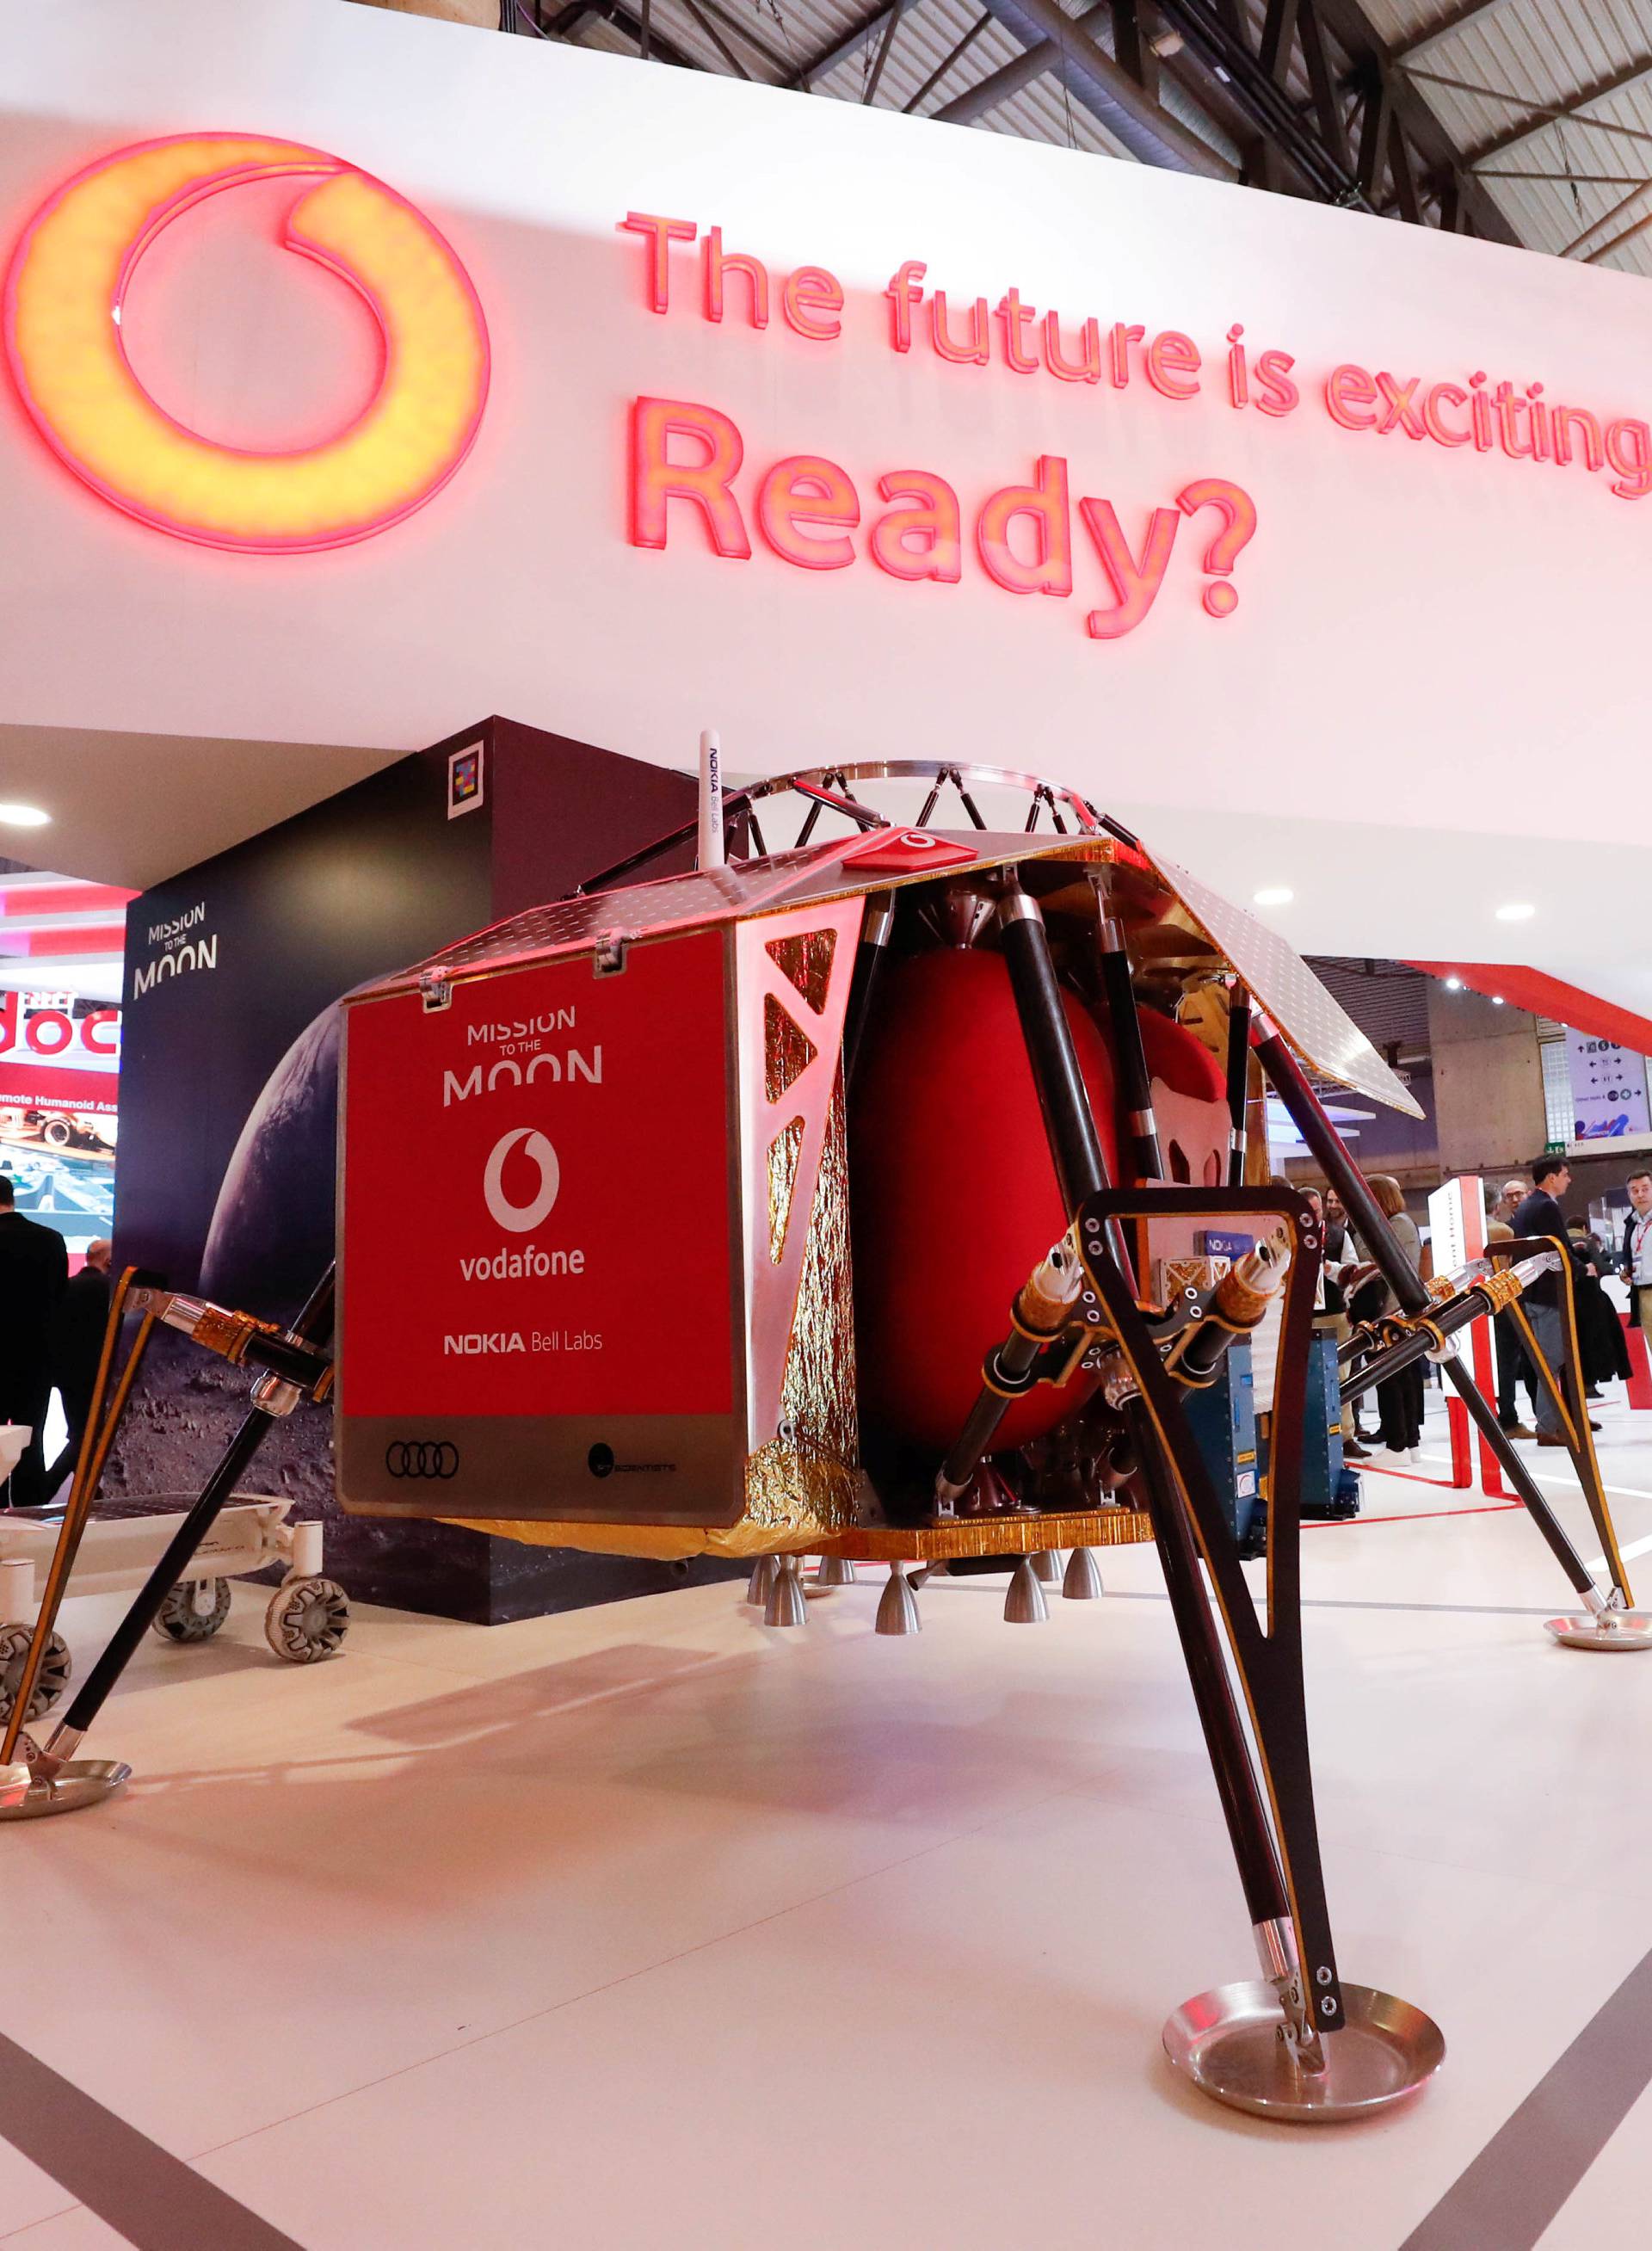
(194, 1610)
(307, 1620)
(55, 1669)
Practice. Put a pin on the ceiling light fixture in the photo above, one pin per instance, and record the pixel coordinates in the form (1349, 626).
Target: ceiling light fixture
(1454, 984)
(1276, 895)
(1497, 1000)
(24, 816)
(1517, 910)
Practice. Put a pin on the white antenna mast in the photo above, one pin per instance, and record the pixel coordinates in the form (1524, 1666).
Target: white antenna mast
(710, 851)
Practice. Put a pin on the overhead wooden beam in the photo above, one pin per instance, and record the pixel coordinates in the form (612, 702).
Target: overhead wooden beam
(1432, 145)
(1375, 117)
(953, 54)
(839, 50)
(1546, 117)
(1091, 76)
(1132, 47)
(1322, 82)
(1279, 38)
(1000, 85)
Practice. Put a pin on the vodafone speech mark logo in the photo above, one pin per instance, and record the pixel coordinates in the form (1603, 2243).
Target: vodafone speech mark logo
(520, 1218)
(63, 302)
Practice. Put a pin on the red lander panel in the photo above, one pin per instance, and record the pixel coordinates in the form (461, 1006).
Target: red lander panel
(538, 1313)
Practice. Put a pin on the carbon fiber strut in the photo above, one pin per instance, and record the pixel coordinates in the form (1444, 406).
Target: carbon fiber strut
(1238, 1082)
(1176, 1480)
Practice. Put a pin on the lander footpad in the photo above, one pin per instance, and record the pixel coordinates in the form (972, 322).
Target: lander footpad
(1230, 2043)
(78, 1783)
(1609, 1630)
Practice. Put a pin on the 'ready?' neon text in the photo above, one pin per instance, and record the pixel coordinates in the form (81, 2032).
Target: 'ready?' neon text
(687, 469)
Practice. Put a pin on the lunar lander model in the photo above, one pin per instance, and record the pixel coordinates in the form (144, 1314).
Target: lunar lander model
(850, 1199)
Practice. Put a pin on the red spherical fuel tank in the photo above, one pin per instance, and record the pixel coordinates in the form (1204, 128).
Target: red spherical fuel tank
(953, 1191)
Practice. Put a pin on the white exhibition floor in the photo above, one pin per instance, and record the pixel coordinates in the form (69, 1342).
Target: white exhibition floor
(647, 1927)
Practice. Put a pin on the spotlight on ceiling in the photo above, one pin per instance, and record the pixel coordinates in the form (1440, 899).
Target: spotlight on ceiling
(1274, 895)
(1497, 1000)
(1454, 984)
(1517, 910)
(24, 816)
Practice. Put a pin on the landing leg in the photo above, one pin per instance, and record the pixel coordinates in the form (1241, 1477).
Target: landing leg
(1320, 2053)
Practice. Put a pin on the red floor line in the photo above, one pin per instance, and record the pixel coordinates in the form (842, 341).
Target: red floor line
(1413, 1516)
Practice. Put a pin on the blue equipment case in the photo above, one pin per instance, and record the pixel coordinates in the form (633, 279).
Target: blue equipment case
(1330, 1488)
(1223, 1419)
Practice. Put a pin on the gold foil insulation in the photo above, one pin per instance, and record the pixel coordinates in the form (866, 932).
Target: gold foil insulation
(787, 1050)
(992, 1535)
(804, 1481)
(784, 1152)
(805, 958)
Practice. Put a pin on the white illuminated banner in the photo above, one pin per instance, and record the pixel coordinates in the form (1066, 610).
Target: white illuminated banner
(1006, 453)
(1608, 1090)
(1456, 1219)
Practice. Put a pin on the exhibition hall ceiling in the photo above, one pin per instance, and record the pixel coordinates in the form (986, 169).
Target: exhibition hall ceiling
(1541, 110)
(130, 809)
(1315, 547)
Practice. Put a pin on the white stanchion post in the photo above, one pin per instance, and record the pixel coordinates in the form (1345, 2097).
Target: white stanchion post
(1457, 1221)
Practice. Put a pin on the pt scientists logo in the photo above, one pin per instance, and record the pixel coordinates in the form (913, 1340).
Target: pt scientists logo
(63, 301)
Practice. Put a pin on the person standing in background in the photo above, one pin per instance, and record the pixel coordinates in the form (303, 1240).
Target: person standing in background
(78, 1324)
(1637, 1252)
(1540, 1214)
(1399, 1400)
(1337, 1250)
(1509, 1202)
(1600, 1346)
(1330, 1310)
(34, 1269)
(1341, 1250)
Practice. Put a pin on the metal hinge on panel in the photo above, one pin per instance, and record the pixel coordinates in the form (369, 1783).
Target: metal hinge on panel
(608, 955)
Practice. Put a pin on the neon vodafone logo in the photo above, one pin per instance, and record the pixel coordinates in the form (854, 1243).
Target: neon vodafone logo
(520, 1218)
(64, 295)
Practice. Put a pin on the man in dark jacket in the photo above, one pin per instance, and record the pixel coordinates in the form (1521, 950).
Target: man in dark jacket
(34, 1267)
(1541, 1215)
(82, 1315)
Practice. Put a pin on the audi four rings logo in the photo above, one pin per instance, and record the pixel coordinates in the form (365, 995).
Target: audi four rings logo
(520, 1218)
(418, 1457)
